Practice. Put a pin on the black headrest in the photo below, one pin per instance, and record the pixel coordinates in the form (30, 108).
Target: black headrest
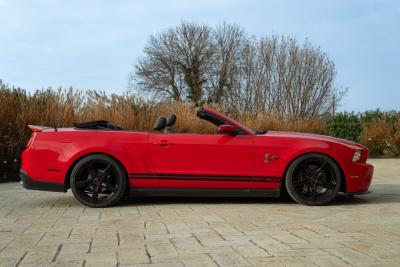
(171, 119)
(160, 123)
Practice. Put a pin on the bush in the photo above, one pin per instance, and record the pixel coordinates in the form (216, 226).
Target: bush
(382, 135)
(345, 125)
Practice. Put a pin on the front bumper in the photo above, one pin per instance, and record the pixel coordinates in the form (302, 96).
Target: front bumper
(28, 183)
(359, 179)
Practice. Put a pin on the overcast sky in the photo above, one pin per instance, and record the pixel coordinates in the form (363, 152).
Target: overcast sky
(94, 44)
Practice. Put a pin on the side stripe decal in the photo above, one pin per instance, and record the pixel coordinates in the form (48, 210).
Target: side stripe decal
(202, 177)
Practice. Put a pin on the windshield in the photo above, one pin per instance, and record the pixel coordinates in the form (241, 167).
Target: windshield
(245, 127)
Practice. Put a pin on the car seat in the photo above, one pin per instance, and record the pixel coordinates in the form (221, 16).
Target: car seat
(171, 119)
(160, 124)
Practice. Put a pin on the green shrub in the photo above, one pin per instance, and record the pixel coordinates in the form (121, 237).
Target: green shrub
(345, 125)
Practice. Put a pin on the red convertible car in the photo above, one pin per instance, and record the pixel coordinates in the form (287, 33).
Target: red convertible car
(101, 163)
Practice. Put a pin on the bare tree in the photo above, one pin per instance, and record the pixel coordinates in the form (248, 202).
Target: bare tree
(226, 67)
(228, 39)
(175, 63)
(280, 76)
(158, 73)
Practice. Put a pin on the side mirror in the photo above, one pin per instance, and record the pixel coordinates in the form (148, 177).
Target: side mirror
(227, 129)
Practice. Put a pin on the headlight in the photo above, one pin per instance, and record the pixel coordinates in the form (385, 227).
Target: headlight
(357, 156)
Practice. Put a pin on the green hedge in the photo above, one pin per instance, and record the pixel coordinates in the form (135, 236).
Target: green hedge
(345, 125)
(378, 130)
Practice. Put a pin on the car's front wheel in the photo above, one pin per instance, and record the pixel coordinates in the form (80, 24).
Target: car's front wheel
(98, 181)
(313, 179)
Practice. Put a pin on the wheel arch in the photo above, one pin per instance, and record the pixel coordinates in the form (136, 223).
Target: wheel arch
(342, 174)
(75, 161)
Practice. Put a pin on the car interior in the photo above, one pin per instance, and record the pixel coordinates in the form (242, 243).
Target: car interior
(97, 125)
(160, 124)
(164, 125)
(171, 119)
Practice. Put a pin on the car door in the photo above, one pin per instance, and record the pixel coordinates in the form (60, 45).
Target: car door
(202, 160)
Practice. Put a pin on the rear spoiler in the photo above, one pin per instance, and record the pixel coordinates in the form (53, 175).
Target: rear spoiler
(38, 128)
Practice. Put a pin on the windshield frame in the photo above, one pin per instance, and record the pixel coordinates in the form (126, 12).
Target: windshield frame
(206, 110)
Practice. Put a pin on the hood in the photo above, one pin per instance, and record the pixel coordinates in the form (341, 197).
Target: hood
(317, 137)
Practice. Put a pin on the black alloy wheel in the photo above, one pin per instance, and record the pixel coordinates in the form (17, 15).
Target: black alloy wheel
(98, 181)
(313, 179)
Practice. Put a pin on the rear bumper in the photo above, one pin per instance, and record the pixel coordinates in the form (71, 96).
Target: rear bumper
(28, 183)
(360, 178)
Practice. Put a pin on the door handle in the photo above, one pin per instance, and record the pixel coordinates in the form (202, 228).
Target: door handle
(163, 143)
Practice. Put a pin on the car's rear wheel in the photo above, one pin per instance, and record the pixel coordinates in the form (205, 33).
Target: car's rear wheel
(313, 179)
(98, 181)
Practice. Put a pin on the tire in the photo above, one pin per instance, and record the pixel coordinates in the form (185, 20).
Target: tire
(313, 179)
(98, 181)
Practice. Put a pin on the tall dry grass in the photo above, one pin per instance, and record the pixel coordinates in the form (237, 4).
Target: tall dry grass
(63, 107)
(382, 136)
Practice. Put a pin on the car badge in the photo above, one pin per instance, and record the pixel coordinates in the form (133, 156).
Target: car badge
(266, 160)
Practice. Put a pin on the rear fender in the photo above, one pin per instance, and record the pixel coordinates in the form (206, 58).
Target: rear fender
(82, 154)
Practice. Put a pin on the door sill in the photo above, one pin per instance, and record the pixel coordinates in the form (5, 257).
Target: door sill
(204, 192)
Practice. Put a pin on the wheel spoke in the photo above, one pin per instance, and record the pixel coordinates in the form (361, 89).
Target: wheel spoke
(324, 185)
(84, 183)
(111, 187)
(321, 167)
(104, 172)
(327, 184)
(306, 169)
(331, 185)
(92, 171)
(300, 182)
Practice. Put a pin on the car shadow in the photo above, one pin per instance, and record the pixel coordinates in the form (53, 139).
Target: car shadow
(340, 200)
(381, 193)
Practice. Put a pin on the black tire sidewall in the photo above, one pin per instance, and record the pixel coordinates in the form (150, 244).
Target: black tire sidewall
(120, 177)
(289, 179)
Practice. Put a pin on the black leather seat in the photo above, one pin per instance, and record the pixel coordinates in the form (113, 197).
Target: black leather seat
(160, 124)
(171, 119)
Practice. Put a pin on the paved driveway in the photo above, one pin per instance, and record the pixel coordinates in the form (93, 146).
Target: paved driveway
(41, 228)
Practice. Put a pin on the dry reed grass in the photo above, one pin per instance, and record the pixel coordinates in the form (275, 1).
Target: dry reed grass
(63, 107)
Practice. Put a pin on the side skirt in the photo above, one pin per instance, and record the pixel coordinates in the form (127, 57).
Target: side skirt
(203, 192)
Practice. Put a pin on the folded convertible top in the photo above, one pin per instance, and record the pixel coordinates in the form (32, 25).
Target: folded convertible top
(97, 125)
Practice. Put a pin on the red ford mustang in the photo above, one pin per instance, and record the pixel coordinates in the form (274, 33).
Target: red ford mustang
(100, 162)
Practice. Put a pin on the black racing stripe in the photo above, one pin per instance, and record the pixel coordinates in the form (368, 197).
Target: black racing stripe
(207, 179)
(199, 177)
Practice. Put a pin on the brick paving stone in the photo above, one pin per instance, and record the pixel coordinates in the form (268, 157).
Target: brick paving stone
(327, 261)
(159, 249)
(53, 229)
(200, 260)
(229, 258)
(134, 255)
(349, 255)
(251, 251)
(40, 255)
